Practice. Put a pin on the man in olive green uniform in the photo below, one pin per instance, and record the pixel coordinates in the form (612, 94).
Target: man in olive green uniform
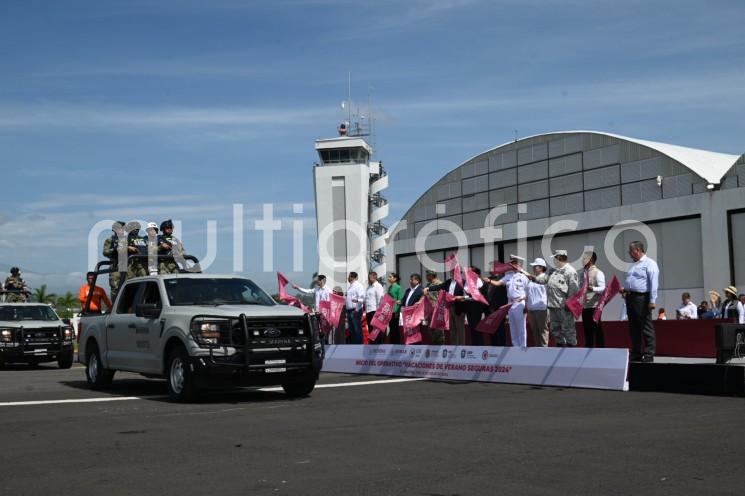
(111, 247)
(169, 246)
(438, 335)
(15, 283)
(136, 245)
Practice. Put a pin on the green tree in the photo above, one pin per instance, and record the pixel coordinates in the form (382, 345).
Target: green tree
(41, 295)
(67, 305)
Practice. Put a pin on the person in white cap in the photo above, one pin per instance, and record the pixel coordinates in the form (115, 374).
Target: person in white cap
(517, 284)
(561, 283)
(152, 248)
(537, 305)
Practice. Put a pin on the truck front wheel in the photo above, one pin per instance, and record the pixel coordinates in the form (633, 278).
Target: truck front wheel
(181, 383)
(64, 359)
(97, 376)
(302, 387)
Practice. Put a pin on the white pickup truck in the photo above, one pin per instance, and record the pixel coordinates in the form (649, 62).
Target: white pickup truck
(197, 329)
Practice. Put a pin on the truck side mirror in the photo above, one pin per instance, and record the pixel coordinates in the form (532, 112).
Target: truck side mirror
(147, 310)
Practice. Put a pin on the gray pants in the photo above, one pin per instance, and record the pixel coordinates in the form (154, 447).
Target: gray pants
(562, 327)
(538, 320)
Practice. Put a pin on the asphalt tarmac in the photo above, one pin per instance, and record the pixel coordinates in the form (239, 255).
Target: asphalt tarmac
(362, 435)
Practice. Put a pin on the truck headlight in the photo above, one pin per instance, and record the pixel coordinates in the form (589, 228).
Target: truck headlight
(68, 333)
(208, 331)
(6, 335)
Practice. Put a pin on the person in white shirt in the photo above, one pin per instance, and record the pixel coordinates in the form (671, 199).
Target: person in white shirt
(688, 309)
(732, 308)
(537, 305)
(353, 302)
(373, 294)
(517, 285)
(320, 291)
(640, 292)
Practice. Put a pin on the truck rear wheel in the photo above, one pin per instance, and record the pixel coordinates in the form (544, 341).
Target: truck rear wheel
(97, 376)
(180, 377)
(301, 387)
(64, 359)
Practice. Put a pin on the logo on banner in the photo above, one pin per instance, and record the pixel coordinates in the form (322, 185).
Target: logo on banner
(463, 353)
(444, 353)
(427, 353)
(485, 355)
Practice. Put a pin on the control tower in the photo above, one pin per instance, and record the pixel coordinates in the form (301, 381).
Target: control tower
(349, 207)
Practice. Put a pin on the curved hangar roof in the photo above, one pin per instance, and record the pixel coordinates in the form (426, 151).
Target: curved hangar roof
(570, 171)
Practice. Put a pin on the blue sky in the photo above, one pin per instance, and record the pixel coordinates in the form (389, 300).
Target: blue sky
(182, 108)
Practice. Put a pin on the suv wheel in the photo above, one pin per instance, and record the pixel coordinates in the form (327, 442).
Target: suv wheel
(300, 388)
(97, 376)
(64, 360)
(181, 384)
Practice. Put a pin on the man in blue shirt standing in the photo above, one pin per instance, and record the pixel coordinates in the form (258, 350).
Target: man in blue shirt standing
(640, 291)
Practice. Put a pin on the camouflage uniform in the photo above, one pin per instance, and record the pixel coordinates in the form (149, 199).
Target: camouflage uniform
(137, 267)
(111, 251)
(560, 285)
(15, 283)
(177, 249)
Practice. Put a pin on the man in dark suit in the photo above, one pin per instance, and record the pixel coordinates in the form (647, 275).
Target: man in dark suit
(475, 312)
(413, 294)
(457, 311)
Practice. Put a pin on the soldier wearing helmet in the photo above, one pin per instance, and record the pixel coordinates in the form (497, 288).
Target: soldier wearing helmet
(113, 246)
(169, 246)
(136, 245)
(17, 285)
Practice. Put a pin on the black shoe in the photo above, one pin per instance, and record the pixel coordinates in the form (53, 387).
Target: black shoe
(634, 357)
(648, 359)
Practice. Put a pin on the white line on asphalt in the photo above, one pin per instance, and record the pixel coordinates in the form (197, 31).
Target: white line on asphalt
(80, 400)
(129, 398)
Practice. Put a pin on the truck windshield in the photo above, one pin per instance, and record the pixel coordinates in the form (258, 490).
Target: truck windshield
(217, 291)
(30, 312)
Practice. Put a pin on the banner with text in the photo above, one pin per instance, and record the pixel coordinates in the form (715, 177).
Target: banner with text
(598, 368)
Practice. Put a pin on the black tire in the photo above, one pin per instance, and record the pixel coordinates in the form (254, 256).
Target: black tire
(300, 388)
(97, 376)
(65, 359)
(180, 377)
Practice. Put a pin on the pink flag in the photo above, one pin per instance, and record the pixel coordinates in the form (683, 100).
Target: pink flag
(492, 321)
(324, 308)
(441, 314)
(428, 308)
(336, 305)
(383, 314)
(412, 317)
(501, 268)
(472, 287)
(576, 302)
(611, 290)
(282, 281)
(294, 302)
(452, 263)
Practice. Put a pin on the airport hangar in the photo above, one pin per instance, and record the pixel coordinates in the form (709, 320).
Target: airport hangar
(692, 201)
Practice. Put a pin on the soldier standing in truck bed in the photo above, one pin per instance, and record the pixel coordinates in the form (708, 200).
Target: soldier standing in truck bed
(15, 283)
(169, 246)
(111, 247)
(136, 245)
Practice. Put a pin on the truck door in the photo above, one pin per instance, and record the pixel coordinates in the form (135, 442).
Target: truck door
(120, 329)
(148, 330)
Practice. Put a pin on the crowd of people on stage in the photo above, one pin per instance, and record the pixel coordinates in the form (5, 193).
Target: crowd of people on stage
(538, 298)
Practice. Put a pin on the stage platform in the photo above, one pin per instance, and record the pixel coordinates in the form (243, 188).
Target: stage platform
(689, 376)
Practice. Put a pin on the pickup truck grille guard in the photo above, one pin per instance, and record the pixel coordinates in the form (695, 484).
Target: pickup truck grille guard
(251, 346)
(28, 340)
